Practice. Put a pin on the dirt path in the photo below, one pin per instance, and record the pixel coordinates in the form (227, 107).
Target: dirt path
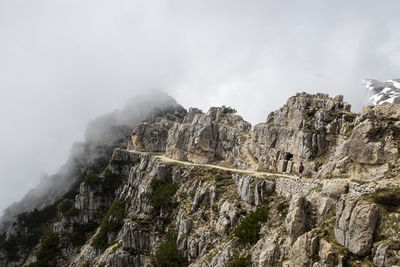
(248, 171)
(164, 158)
(249, 156)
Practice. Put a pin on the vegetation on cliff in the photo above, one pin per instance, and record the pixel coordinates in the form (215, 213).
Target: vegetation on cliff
(248, 230)
(111, 223)
(168, 253)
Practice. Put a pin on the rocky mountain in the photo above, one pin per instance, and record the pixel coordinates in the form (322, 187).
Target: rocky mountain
(387, 92)
(208, 189)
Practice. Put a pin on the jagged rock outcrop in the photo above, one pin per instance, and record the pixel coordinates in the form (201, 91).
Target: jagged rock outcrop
(252, 192)
(326, 254)
(380, 258)
(203, 138)
(305, 128)
(228, 216)
(296, 219)
(372, 149)
(304, 250)
(89, 200)
(152, 135)
(355, 224)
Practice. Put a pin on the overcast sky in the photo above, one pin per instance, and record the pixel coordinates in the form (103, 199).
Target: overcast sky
(63, 63)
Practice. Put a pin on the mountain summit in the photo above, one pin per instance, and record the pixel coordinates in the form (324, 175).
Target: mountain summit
(387, 92)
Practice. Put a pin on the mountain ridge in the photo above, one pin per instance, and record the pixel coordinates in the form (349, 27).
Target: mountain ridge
(208, 189)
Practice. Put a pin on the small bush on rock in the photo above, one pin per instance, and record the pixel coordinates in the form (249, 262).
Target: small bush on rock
(248, 231)
(48, 251)
(161, 193)
(283, 208)
(387, 197)
(111, 223)
(92, 179)
(111, 182)
(241, 262)
(81, 231)
(168, 254)
(227, 110)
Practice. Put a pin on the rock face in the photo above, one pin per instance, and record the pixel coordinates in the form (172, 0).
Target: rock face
(305, 128)
(151, 136)
(144, 205)
(304, 249)
(89, 200)
(368, 153)
(330, 140)
(355, 224)
(251, 192)
(296, 220)
(380, 255)
(204, 138)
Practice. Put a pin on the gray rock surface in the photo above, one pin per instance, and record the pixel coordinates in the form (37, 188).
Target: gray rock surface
(305, 128)
(303, 250)
(296, 219)
(355, 224)
(203, 138)
(380, 255)
(152, 135)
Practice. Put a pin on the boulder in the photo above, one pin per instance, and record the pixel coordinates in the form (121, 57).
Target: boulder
(303, 250)
(326, 254)
(296, 219)
(380, 255)
(355, 224)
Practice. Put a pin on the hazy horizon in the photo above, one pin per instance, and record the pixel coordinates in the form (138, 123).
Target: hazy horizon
(64, 63)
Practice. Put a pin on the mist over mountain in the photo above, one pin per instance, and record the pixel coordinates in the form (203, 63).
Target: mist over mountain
(103, 135)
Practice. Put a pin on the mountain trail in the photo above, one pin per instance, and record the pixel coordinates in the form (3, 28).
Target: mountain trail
(253, 172)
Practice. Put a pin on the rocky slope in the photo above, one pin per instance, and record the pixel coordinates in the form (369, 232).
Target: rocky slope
(207, 189)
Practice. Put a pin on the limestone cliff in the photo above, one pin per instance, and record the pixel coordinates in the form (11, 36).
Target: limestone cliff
(207, 189)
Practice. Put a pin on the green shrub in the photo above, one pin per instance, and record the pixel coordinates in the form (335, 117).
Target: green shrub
(81, 232)
(37, 218)
(121, 162)
(47, 253)
(241, 262)
(10, 247)
(111, 182)
(65, 206)
(248, 231)
(161, 193)
(168, 255)
(227, 110)
(36, 221)
(92, 179)
(71, 212)
(387, 197)
(283, 208)
(117, 214)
